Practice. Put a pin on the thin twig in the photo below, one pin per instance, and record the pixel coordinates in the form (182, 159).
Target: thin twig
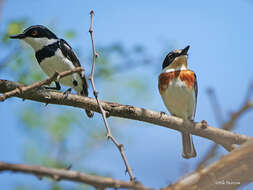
(66, 174)
(249, 93)
(103, 112)
(216, 106)
(230, 124)
(22, 89)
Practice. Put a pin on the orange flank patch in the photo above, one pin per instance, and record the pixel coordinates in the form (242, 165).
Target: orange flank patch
(184, 75)
(165, 78)
(188, 77)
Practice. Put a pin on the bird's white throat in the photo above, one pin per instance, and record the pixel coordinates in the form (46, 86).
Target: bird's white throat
(39, 43)
(170, 69)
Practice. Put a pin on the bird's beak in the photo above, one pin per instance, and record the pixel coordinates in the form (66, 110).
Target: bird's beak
(18, 36)
(185, 50)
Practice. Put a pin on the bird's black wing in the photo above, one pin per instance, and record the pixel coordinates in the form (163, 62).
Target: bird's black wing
(196, 92)
(196, 87)
(69, 54)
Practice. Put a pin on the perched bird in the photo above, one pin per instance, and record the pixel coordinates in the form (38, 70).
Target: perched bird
(178, 88)
(55, 55)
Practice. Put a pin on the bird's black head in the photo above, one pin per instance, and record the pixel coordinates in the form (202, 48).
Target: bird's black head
(36, 31)
(173, 55)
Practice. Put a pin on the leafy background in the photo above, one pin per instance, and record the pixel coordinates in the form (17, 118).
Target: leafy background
(132, 39)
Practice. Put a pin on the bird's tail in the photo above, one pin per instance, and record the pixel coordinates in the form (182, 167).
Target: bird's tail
(84, 92)
(188, 146)
(89, 113)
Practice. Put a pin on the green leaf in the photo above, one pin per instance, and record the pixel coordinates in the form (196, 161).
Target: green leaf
(37, 76)
(70, 34)
(14, 28)
(56, 187)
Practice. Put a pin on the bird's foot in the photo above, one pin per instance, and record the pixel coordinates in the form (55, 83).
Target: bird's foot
(162, 113)
(66, 93)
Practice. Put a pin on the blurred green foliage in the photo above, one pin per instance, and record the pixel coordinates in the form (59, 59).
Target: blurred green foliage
(59, 136)
(116, 58)
(14, 27)
(70, 34)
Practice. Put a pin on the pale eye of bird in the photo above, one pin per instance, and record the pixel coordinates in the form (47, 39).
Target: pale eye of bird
(34, 33)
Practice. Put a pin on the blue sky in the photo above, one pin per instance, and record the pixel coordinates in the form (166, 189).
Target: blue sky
(220, 35)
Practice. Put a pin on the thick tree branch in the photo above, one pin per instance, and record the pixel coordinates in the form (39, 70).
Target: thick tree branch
(219, 136)
(230, 172)
(103, 112)
(22, 89)
(65, 174)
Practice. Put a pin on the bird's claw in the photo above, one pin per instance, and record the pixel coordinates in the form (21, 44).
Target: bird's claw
(66, 93)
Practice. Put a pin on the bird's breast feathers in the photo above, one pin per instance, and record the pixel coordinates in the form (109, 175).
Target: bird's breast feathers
(183, 78)
(179, 92)
(59, 63)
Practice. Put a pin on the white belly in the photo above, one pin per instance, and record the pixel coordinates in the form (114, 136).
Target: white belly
(57, 64)
(179, 100)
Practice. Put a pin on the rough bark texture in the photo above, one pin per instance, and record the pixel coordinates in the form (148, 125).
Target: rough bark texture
(65, 174)
(228, 173)
(219, 136)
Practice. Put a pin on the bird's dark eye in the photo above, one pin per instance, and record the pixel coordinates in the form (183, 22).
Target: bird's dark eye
(171, 56)
(34, 33)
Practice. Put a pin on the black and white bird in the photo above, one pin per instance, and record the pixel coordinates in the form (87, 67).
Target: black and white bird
(55, 55)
